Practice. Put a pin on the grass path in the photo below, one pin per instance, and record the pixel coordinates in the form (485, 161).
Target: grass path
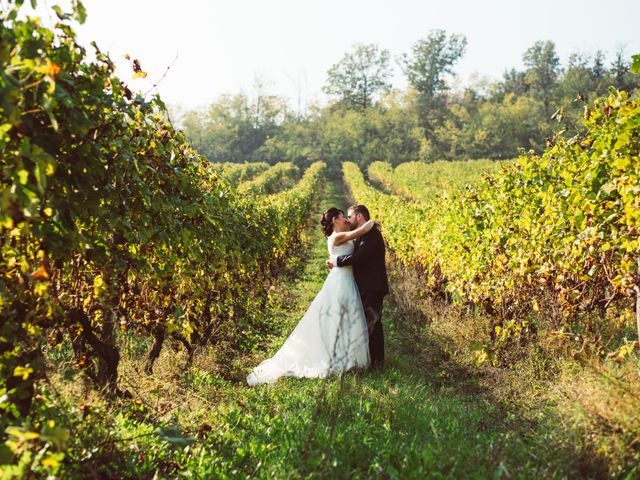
(393, 424)
(399, 423)
(413, 420)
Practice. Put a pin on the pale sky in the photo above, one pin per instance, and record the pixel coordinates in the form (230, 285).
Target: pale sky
(222, 45)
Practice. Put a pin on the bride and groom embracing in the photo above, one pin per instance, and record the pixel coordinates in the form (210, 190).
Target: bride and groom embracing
(342, 327)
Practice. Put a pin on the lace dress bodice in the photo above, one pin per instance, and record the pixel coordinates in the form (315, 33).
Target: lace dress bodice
(343, 249)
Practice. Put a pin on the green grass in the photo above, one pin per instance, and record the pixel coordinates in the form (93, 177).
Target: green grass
(394, 424)
(400, 423)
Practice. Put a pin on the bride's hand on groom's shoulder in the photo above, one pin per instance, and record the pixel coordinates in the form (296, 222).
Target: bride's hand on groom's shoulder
(374, 223)
(369, 225)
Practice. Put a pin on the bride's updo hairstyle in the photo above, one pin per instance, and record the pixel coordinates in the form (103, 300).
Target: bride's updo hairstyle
(327, 220)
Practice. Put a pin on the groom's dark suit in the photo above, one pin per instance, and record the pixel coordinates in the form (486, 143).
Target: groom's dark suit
(371, 277)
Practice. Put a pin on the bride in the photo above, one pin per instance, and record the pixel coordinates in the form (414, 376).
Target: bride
(332, 335)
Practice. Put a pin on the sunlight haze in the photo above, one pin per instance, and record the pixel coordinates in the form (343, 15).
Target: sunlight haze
(220, 47)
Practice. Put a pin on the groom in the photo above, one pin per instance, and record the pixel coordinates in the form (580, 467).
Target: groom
(371, 277)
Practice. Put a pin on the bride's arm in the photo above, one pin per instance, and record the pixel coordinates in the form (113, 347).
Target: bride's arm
(342, 237)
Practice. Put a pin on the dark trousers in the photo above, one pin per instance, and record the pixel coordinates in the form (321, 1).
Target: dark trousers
(372, 304)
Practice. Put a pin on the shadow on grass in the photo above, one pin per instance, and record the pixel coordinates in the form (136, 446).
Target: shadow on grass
(553, 449)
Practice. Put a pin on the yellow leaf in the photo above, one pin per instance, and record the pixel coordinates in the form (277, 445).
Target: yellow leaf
(23, 176)
(50, 462)
(33, 329)
(41, 288)
(21, 433)
(23, 372)
(98, 286)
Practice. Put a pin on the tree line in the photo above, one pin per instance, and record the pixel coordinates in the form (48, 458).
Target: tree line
(367, 120)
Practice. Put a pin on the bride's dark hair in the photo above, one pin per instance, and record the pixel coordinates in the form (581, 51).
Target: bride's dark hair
(327, 220)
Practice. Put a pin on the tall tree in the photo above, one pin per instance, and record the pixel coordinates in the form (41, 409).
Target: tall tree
(598, 69)
(543, 69)
(619, 68)
(576, 79)
(359, 77)
(234, 127)
(513, 81)
(620, 72)
(430, 60)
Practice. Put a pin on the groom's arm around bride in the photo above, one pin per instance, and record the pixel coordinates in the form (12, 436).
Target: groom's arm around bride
(368, 260)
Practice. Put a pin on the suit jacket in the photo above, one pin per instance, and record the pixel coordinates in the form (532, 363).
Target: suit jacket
(368, 263)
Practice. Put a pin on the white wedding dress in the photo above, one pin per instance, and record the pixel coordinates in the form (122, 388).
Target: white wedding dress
(331, 336)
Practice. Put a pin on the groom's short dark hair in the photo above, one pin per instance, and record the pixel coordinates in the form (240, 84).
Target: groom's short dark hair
(356, 209)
